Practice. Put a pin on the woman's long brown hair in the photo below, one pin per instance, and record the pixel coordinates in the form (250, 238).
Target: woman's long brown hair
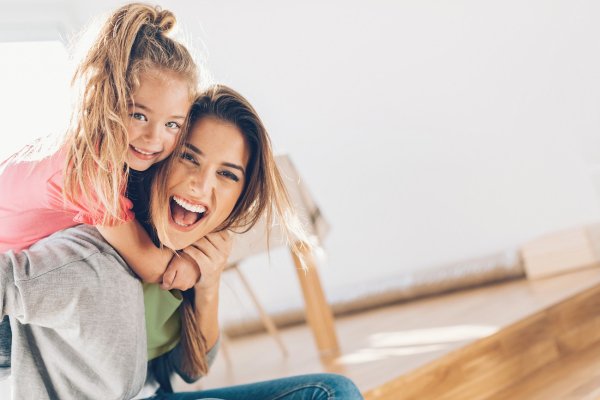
(264, 193)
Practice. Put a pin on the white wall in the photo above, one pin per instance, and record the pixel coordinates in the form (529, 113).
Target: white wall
(428, 131)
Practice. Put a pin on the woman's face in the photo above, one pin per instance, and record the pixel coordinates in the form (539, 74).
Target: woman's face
(205, 182)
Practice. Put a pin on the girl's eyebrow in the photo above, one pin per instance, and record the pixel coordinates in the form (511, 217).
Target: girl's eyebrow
(140, 105)
(148, 109)
(227, 164)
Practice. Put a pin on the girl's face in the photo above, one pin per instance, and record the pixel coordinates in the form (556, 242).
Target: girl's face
(206, 181)
(161, 103)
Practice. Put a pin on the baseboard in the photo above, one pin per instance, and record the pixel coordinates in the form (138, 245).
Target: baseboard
(410, 286)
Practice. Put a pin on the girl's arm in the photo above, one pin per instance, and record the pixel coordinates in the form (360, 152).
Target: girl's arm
(149, 262)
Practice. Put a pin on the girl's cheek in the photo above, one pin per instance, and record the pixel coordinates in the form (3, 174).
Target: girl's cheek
(170, 149)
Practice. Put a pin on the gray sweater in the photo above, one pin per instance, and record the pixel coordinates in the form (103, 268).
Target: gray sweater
(77, 316)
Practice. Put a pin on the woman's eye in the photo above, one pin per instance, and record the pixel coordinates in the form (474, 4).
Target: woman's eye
(189, 157)
(229, 175)
(172, 125)
(138, 116)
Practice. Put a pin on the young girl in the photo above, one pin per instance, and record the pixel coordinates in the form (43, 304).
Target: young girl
(137, 86)
(224, 177)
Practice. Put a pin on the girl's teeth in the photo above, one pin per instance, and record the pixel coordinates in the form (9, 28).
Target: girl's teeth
(142, 151)
(188, 206)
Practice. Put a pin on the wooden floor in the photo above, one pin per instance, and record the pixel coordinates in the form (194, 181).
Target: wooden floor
(516, 340)
(576, 377)
(383, 349)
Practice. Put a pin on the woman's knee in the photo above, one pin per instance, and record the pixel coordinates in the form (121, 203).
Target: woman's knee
(338, 386)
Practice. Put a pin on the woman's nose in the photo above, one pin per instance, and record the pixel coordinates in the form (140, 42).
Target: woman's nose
(203, 183)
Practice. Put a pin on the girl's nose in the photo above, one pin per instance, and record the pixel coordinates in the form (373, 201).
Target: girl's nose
(152, 133)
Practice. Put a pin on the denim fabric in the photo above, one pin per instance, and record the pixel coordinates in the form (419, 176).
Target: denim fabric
(5, 343)
(303, 387)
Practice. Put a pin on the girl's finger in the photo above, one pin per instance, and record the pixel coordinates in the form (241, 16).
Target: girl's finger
(168, 279)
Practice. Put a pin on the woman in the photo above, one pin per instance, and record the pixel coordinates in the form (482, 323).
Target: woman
(78, 310)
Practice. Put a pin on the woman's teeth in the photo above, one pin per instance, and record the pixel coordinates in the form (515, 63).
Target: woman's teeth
(197, 208)
(185, 213)
(183, 225)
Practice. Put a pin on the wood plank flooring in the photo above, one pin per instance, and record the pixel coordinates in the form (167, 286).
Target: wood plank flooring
(575, 377)
(415, 348)
(483, 368)
(382, 348)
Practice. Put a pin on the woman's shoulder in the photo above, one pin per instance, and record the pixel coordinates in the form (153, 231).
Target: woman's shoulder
(78, 243)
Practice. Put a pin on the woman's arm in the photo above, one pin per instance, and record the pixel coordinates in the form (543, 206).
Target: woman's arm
(207, 314)
(211, 253)
(72, 295)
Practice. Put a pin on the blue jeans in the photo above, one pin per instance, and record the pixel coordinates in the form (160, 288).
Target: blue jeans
(5, 347)
(302, 387)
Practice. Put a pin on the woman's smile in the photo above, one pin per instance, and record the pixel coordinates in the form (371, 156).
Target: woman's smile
(185, 214)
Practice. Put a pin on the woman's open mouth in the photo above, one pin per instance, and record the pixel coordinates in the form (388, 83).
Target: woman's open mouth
(185, 214)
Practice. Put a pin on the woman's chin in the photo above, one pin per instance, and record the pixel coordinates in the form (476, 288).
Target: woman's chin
(174, 241)
(178, 240)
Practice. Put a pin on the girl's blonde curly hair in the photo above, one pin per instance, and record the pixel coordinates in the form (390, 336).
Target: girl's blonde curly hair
(133, 40)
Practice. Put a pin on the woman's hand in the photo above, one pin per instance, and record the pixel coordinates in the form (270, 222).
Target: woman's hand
(211, 254)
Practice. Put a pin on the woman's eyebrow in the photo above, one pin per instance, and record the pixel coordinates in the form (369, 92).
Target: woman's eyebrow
(230, 165)
(193, 148)
(227, 164)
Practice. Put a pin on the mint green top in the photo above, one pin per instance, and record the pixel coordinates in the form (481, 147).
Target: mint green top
(163, 322)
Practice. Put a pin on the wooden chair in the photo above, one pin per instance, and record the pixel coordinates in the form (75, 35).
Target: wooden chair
(318, 312)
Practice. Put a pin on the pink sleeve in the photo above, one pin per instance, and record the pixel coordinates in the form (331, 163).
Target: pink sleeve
(90, 214)
(85, 216)
(32, 206)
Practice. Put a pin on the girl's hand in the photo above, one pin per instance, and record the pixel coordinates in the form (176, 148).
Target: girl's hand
(182, 273)
(210, 253)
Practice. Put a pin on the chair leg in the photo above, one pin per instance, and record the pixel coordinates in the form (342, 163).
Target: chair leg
(266, 319)
(318, 311)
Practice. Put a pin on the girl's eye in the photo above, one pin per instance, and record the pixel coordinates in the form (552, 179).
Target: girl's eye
(138, 116)
(189, 157)
(172, 125)
(229, 175)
